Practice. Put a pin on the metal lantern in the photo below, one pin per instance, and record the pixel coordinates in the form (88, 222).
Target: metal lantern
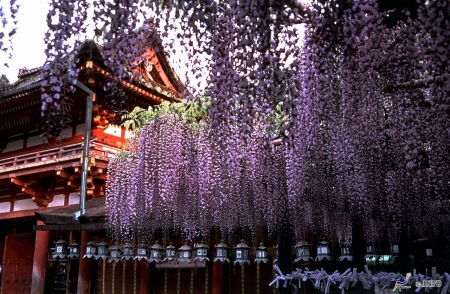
(142, 252)
(346, 253)
(91, 250)
(128, 251)
(60, 248)
(221, 252)
(323, 251)
(261, 254)
(394, 251)
(74, 250)
(102, 250)
(156, 252)
(202, 252)
(371, 256)
(114, 253)
(242, 253)
(171, 253)
(302, 249)
(185, 253)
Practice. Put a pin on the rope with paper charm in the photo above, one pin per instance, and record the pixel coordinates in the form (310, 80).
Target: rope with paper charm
(381, 281)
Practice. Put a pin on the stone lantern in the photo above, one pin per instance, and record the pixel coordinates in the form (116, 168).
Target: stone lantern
(242, 253)
(202, 252)
(185, 253)
(91, 250)
(323, 251)
(74, 250)
(221, 252)
(102, 250)
(142, 252)
(128, 251)
(156, 252)
(60, 248)
(302, 250)
(114, 253)
(171, 253)
(261, 254)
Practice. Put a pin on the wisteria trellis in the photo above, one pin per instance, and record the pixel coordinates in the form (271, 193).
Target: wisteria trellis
(366, 98)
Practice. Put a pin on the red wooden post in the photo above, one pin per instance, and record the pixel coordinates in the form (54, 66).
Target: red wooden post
(218, 278)
(40, 258)
(145, 277)
(84, 271)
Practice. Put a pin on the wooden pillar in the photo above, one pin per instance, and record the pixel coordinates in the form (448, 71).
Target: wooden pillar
(40, 258)
(145, 277)
(84, 271)
(218, 278)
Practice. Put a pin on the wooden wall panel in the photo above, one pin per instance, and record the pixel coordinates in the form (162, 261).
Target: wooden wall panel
(17, 265)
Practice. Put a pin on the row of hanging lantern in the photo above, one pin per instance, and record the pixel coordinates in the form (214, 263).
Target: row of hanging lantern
(114, 253)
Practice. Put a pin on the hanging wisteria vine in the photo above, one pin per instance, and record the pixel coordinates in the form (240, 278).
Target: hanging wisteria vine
(365, 98)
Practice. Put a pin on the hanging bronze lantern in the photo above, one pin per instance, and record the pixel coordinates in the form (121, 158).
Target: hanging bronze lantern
(60, 248)
(221, 252)
(371, 256)
(102, 250)
(242, 253)
(91, 250)
(156, 252)
(202, 252)
(114, 253)
(171, 253)
(142, 252)
(346, 253)
(185, 253)
(302, 250)
(323, 251)
(128, 251)
(74, 250)
(261, 254)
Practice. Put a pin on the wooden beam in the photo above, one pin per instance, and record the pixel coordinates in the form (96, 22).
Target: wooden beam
(63, 174)
(101, 177)
(32, 192)
(17, 182)
(73, 184)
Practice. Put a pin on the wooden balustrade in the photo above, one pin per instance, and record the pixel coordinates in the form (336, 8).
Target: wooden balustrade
(62, 153)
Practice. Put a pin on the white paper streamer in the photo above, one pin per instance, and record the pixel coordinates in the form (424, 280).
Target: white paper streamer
(381, 281)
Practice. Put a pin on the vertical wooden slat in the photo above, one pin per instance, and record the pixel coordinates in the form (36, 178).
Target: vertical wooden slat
(104, 276)
(242, 279)
(192, 282)
(206, 281)
(257, 278)
(135, 277)
(123, 275)
(165, 281)
(113, 277)
(178, 282)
